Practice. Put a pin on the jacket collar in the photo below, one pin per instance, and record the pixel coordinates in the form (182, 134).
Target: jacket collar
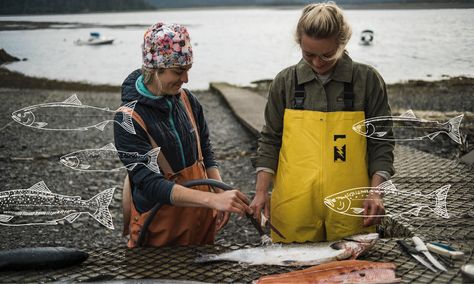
(342, 71)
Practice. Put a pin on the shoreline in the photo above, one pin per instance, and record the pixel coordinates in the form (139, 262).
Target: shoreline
(17, 80)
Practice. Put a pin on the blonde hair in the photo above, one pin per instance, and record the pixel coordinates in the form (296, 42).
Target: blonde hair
(324, 20)
(148, 74)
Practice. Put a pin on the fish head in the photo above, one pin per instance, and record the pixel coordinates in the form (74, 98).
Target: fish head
(356, 245)
(24, 116)
(364, 128)
(71, 161)
(338, 203)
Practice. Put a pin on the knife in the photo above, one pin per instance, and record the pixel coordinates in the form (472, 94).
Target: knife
(420, 246)
(266, 221)
(414, 253)
(445, 250)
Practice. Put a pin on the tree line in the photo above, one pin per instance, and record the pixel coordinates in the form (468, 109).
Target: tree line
(16, 7)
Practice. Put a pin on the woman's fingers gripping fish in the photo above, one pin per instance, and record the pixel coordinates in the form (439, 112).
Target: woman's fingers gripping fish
(297, 254)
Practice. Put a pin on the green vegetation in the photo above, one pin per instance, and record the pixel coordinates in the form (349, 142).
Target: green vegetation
(11, 7)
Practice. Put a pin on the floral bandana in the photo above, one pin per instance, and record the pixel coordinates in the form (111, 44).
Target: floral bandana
(165, 46)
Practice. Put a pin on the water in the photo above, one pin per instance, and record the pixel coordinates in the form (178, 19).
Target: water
(243, 45)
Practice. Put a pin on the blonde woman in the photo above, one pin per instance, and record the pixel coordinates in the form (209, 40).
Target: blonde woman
(307, 147)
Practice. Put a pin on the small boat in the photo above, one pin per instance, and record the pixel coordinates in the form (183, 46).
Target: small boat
(94, 39)
(366, 37)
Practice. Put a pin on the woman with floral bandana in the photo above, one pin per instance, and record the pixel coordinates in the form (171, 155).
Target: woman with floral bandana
(170, 117)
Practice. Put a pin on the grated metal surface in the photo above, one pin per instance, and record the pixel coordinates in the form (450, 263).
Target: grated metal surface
(415, 171)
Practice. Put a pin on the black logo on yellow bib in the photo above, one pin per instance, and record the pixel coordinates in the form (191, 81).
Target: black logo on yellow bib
(339, 148)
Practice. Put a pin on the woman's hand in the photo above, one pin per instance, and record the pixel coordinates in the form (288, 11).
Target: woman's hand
(221, 220)
(231, 201)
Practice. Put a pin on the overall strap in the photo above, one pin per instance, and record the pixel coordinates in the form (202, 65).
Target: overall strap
(299, 94)
(348, 97)
(162, 162)
(187, 105)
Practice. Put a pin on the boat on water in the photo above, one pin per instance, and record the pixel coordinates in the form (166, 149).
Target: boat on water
(95, 39)
(366, 37)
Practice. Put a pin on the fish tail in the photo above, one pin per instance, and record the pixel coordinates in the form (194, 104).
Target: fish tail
(102, 213)
(454, 124)
(153, 161)
(206, 258)
(127, 116)
(440, 195)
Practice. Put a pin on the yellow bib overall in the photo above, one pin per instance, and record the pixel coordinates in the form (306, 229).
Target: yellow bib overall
(320, 155)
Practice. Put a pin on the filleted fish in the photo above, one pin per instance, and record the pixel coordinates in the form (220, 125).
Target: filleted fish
(298, 254)
(345, 271)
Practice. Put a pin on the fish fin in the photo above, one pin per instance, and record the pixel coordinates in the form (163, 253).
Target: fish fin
(102, 213)
(127, 122)
(41, 124)
(415, 211)
(357, 210)
(433, 135)
(206, 258)
(408, 114)
(289, 262)
(153, 164)
(4, 218)
(440, 195)
(72, 217)
(387, 186)
(40, 186)
(131, 166)
(380, 134)
(109, 146)
(101, 126)
(73, 100)
(454, 129)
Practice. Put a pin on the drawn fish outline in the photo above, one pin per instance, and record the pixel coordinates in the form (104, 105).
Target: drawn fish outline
(39, 201)
(34, 116)
(377, 127)
(90, 159)
(342, 202)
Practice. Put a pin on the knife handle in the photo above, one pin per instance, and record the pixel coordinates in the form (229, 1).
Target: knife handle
(406, 247)
(445, 250)
(419, 244)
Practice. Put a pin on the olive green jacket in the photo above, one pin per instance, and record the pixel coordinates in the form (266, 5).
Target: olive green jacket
(370, 96)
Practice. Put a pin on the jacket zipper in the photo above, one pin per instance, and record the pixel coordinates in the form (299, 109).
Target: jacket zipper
(173, 128)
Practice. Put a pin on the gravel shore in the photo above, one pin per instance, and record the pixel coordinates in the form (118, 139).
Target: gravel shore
(29, 155)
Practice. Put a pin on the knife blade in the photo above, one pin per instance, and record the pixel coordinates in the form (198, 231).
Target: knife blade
(414, 253)
(266, 221)
(420, 246)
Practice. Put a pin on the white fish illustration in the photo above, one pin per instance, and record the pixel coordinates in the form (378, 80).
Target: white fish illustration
(343, 202)
(92, 160)
(71, 114)
(298, 254)
(414, 128)
(37, 205)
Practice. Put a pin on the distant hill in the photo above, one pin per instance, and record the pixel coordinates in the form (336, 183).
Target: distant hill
(16, 7)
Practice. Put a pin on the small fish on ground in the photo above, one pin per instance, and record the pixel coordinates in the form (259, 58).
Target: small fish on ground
(298, 254)
(71, 114)
(379, 128)
(344, 271)
(40, 258)
(343, 202)
(91, 160)
(37, 205)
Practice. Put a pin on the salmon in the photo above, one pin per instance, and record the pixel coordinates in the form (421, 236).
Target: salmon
(344, 271)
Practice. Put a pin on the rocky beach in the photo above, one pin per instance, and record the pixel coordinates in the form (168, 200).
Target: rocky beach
(30, 155)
